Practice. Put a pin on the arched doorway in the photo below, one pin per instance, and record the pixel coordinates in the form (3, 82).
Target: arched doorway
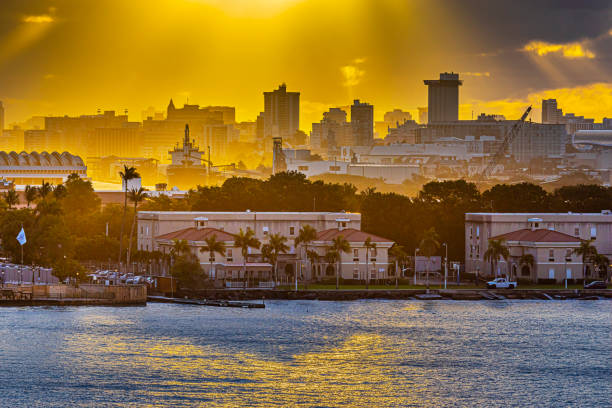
(329, 271)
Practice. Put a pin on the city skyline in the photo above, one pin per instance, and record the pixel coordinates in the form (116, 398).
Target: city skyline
(62, 57)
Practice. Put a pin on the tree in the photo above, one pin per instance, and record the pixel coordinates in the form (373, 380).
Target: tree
(128, 173)
(331, 257)
(369, 245)
(180, 248)
(527, 260)
(11, 198)
(31, 192)
(313, 258)
(587, 251)
(212, 246)
(601, 263)
(135, 196)
(44, 189)
(429, 245)
(60, 191)
(306, 235)
(187, 271)
(278, 244)
(496, 250)
(400, 255)
(68, 268)
(340, 245)
(245, 240)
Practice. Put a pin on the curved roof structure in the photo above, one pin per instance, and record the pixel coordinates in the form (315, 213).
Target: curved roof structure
(42, 159)
(601, 138)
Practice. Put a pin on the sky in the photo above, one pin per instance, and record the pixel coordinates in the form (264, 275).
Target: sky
(77, 56)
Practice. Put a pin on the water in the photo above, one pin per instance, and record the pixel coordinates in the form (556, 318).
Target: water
(309, 353)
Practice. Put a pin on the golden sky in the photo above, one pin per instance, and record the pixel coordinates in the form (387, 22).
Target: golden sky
(77, 56)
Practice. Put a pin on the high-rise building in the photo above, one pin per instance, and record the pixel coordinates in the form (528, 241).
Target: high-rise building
(550, 112)
(1, 117)
(362, 123)
(281, 113)
(443, 98)
(331, 132)
(392, 120)
(423, 115)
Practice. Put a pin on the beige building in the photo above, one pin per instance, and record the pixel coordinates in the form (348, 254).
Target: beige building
(152, 224)
(358, 262)
(225, 269)
(480, 227)
(552, 252)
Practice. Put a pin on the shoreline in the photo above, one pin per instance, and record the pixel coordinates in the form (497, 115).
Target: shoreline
(399, 294)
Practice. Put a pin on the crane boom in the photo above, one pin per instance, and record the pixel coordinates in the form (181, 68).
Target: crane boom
(508, 138)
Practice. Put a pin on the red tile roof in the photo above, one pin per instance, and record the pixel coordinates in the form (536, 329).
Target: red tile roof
(539, 235)
(350, 234)
(194, 234)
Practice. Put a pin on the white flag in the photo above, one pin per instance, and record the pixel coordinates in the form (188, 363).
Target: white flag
(21, 237)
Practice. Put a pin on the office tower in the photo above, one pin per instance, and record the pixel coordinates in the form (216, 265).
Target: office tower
(362, 123)
(443, 98)
(281, 112)
(550, 112)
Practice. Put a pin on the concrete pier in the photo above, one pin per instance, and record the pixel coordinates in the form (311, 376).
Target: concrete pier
(69, 295)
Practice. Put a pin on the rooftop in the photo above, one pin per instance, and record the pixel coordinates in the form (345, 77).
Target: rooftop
(538, 235)
(194, 234)
(350, 234)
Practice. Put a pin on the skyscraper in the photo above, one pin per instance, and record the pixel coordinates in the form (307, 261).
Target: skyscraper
(362, 123)
(281, 112)
(443, 98)
(550, 112)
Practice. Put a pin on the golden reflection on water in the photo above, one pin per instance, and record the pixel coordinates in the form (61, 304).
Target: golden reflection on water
(359, 372)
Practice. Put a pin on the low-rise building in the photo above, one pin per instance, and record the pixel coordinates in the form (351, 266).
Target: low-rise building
(481, 227)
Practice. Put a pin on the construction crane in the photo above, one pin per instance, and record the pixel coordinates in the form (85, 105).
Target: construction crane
(508, 138)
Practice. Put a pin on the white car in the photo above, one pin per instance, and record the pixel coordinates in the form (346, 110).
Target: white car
(501, 283)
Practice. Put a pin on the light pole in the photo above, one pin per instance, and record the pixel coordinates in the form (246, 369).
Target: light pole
(415, 265)
(445, 263)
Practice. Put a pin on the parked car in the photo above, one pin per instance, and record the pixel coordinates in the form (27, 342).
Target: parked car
(596, 285)
(501, 283)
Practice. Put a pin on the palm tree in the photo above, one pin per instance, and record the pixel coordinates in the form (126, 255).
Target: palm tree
(313, 258)
(278, 246)
(12, 198)
(340, 245)
(400, 255)
(527, 260)
(213, 246)
(44, 189)
(135, 196)
(244, 241)
(180, 247)
(128, 173)
(496, 250)
(306, 235)
(331, 257)
(369, 245)
(601, 263)
(31, 192)
(429, 245)
(587, 251)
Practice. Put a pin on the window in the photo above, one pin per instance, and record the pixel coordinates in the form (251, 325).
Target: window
(265, 231)
(471, 232)
(568, 273)
(228, 254)
(551, 273)
(477, 231)
(593, 232)
(355, 273)
(373, 274)
(568, 255)
(343, 224)
(577, 231)
(334, 168)
(291, 230)
(551, 255)
(355, 255)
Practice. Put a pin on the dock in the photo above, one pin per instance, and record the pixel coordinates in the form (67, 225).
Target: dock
(213, 303)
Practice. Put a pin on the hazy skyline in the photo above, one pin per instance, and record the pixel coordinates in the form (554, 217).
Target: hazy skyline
(73, 57)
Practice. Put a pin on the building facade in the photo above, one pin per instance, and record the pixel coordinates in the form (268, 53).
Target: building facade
(362, 123)
(481, 227)
(34, 168)
(443, 98)
(281, 112)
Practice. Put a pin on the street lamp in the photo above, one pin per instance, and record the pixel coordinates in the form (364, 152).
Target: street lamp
(445, 263)
(415, 265)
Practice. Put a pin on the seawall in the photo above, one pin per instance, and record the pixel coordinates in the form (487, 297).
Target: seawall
(68, 295)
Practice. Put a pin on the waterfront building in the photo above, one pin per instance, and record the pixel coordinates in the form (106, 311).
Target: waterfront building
(281, 113)
(443, 98)
(226, 270)
(32, 168)
(152, 224)
(480, 227)
(359, 262)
